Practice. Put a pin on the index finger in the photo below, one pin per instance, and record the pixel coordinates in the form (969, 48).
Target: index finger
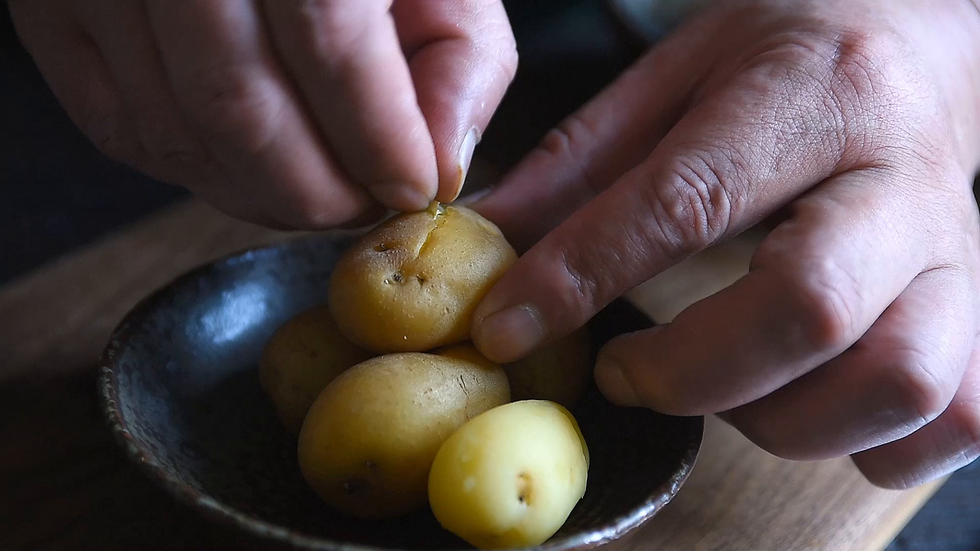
(227, 83)
(346, 58)
(732, 160)
(463, 57)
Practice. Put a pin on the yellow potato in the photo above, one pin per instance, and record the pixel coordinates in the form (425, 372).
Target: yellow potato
(412, 283)
(466, 351)
(368, 441)
(511, 476)
(300, 359)
(559, 372)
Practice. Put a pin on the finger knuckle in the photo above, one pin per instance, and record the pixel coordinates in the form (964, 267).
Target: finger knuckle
(917, 393)
(576, 285)
(504, 46)
(172, 147)
(851, 81)
(308, 213)
(334, 29)
(567, 145)
(694, 203)
(103, 130)
(857, 82)
(508, 59)
(236, 108)
(827, 305)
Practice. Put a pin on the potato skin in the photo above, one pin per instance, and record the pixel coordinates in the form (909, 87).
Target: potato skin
(510, 477)
(412, 283)
(369, 439)
(467, 352)
(558, 372)
(301, 358)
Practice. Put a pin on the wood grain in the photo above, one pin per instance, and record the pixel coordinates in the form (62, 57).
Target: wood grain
(63, 485)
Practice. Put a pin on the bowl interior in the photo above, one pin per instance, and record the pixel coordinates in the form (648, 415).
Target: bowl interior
(181, 390)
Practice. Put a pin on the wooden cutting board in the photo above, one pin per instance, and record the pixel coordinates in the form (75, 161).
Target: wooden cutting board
(63, 485)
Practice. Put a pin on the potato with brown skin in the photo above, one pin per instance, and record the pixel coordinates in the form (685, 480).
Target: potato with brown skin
(558, 372)
(413, 282)
(369, 440)
(301, 358)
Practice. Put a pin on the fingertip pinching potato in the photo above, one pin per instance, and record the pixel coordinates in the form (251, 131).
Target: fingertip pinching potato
(413, 282)
(368, 441)
(510, 477)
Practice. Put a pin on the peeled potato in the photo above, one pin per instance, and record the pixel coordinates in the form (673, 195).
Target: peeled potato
(511, 476)
(413, 282)
(368, 441)
(301, 358)
(559, 372)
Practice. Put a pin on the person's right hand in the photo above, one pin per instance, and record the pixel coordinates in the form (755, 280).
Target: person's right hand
(290, 113)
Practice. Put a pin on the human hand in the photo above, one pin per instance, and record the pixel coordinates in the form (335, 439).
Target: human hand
(299, 114)
(849, 128)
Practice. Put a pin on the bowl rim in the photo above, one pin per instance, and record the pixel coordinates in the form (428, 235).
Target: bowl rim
(146, 462)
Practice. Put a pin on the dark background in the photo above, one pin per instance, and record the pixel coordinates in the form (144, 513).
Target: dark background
(57, 193)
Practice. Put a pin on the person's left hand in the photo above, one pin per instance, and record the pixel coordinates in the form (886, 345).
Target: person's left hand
(849, 126)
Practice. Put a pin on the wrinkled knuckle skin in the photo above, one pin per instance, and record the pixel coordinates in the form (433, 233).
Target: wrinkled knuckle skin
(333, 30)
(103, 131)
(566, 145)
(174, 148)
(858, 83)
(309, 215)
(852, 80)
(577, 290)
(234, 108)
(918, 396)
(693, 204)
(826, 312)
(503, 44)
(508, 59)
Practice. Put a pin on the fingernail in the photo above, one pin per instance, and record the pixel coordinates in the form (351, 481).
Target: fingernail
(401, 196)
(612, 382)
(466, 150)
(509, 334)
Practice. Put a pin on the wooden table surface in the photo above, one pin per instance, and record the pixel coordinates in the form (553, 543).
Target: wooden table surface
(63, 484)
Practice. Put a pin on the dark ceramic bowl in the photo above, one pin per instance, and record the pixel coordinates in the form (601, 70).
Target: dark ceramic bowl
(180, 389)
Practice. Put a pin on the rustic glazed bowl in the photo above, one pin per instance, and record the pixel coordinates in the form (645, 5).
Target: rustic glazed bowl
(180, 389)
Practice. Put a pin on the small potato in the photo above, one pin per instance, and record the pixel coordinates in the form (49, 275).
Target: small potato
(300, 360)
(559, 372)
(368, 441)
(466, 351)
(413, 282)
(511, 476)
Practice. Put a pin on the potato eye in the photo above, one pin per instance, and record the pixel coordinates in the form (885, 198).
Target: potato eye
(523, 488)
